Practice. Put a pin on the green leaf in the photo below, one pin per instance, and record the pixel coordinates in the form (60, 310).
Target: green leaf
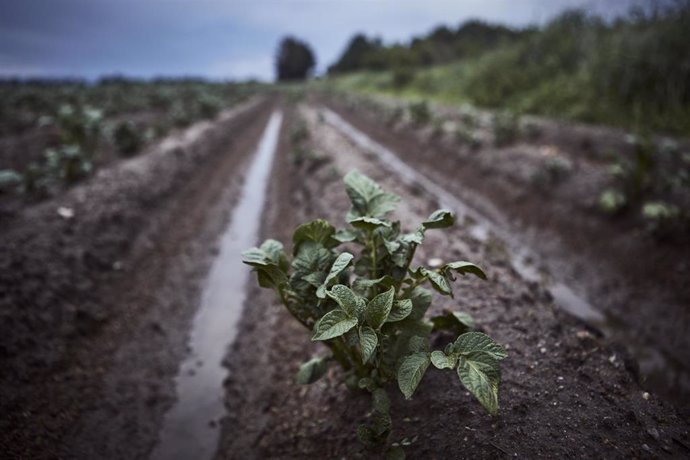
(438, 281)
(421, 301)
(418, 344)
(255, 257)
(401, 310)
(311, 258)
(269, 271)
(366, 436)
(366, 384)
(470, 342)
(368, 340)
(369, 223)
(318, 231)
(345, 236)
(416, 237)
(333, 324)
(315, 279)
(391, 246)
(309, 268)
(441, 218)
(344, 296)
(275, 253)
(264, 279)
(380, 401)
(411, 371)
(362, 284)
(442, 361)
(464, 268)
(367, 197)
(311, 371)
(455, 321)
(381, 424)
(464, 318)
(480, 373)
(395, 453)
(379, 308)
(361, 306)
(340, 264)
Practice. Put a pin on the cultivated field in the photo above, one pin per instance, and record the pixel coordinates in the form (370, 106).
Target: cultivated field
(123, 206)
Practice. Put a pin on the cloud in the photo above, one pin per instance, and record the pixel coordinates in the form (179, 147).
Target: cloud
(235, 38)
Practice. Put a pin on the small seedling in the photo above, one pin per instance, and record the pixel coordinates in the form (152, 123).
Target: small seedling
(9, 180)
(128, 138)
(419, 113)
(369, 306)
(612, 201)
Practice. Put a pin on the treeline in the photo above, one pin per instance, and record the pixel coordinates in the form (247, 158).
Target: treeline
(442, 45)
(634, 71)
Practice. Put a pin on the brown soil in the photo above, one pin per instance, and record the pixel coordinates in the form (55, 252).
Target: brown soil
(638, 281)
(95, 311)
(96, 308)
(565, 392)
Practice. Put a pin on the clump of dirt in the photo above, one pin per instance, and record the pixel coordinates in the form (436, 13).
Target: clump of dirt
(565, 392)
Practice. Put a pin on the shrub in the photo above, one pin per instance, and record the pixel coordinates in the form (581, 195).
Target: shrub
(9, 180)
(128, 139)
(467, 136)
(419, 112)
(402, 76)
(209, 106)
(662, 218)
(554, 170)
(67, 163)
(370, 310)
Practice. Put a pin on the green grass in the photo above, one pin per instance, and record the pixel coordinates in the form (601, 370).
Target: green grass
(633, 73)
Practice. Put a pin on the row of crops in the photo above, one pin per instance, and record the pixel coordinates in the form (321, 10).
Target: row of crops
(649, 178)
(54, 134)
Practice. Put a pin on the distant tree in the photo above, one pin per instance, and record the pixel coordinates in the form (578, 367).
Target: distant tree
(359, 53)
(294, 60)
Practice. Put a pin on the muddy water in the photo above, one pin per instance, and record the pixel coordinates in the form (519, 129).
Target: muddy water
(190, 427)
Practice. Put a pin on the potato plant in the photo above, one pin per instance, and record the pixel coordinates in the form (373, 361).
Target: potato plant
(368, 305)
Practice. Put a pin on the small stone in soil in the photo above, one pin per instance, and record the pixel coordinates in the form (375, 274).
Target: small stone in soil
(654, 433)
(65, 213)
(435, 262)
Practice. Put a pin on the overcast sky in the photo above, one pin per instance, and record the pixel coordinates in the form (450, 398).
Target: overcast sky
(226, 38)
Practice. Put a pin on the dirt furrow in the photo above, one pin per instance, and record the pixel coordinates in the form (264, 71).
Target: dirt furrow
(638, 282)
(100, 328)
(565, 392)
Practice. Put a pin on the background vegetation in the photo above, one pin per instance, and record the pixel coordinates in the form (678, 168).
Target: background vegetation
(633, 72)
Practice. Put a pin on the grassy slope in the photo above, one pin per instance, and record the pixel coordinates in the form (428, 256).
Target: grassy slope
(633, 75)
(563, 96)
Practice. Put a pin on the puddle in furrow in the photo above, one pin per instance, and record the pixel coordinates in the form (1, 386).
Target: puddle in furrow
(654, 364)
(190, 428)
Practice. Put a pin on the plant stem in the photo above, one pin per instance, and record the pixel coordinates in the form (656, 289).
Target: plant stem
(372, 241)
(407, 266)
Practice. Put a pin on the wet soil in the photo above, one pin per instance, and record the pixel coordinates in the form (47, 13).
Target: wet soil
(566, 392)
(638, 281)
(99, 286)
